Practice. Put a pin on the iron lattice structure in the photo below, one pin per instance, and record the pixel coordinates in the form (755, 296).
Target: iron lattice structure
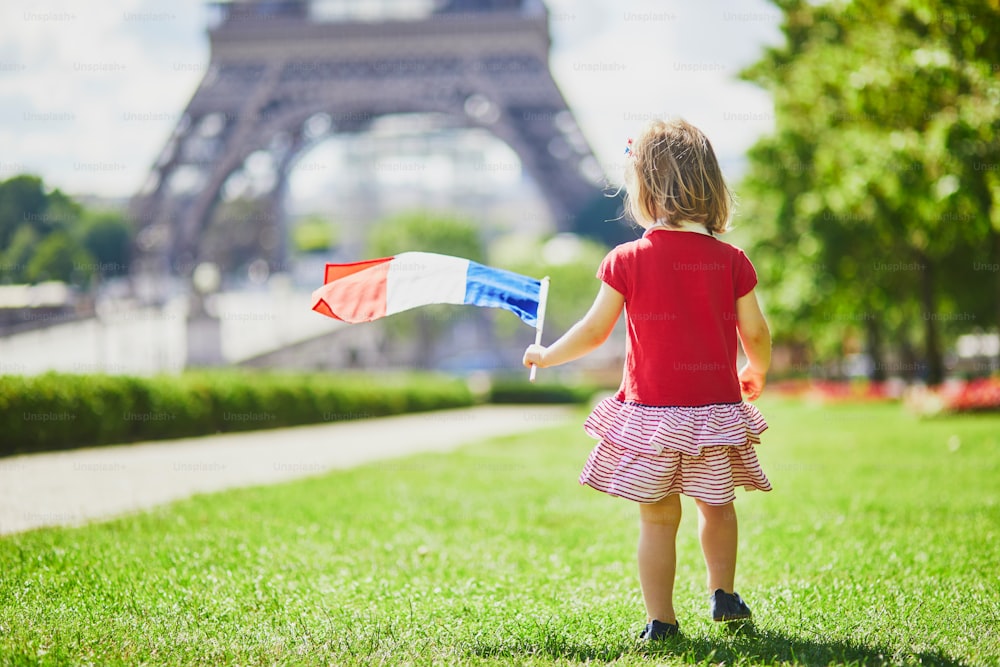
(275, 70)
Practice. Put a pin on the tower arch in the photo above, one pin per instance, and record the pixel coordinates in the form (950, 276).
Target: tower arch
(278, 74)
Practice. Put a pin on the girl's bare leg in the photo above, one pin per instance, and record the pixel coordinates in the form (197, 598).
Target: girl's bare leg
(658, 524)
(717, 529)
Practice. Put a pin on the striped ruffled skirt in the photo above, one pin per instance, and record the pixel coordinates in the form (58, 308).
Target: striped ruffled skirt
(646, 453)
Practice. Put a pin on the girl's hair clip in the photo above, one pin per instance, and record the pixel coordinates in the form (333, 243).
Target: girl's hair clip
(628, 148)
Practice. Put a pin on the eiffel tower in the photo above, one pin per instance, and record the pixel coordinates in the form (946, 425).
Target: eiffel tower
(285, 74)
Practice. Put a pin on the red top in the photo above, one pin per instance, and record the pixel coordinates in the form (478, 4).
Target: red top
(680, 292)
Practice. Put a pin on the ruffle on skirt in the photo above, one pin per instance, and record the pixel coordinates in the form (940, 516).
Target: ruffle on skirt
(644, 428)
(647, 453)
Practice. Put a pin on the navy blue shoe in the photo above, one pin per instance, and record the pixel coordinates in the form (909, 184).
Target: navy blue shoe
(728, 607)
(656, 630)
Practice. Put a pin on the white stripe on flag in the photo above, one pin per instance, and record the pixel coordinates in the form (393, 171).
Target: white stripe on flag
(421, 278)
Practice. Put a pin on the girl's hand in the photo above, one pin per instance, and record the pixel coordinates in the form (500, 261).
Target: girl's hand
(752, 382)
(533, 355)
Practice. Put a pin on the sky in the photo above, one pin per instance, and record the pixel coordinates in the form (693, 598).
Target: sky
(89, 92)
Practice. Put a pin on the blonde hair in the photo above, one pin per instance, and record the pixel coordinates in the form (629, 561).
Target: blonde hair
(674, 174)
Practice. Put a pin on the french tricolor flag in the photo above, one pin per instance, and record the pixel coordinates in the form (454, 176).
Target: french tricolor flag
(365, 291)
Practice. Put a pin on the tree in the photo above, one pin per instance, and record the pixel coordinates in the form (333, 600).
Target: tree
(60, 257)
(61, 212)
(46, 235)
(426, 232)
(107, 236)
(314, 233)
(14, 263)
(22, 200)
(879, 189)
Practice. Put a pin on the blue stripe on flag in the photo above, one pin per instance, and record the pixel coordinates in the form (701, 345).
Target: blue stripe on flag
(497, 288)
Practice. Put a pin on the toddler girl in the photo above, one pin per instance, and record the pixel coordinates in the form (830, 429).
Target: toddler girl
(678, 424)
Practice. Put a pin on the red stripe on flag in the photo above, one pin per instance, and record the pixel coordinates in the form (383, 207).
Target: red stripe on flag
(337, 271)
(353, 292)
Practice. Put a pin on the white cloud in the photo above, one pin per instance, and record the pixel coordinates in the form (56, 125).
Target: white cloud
(76, 69)
(663, 59)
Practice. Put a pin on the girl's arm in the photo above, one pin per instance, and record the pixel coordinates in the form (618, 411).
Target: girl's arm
(756, 339)
(584, 336)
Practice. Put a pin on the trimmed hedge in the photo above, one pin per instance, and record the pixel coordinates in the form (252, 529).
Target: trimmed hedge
(520, 391)
(60, 411)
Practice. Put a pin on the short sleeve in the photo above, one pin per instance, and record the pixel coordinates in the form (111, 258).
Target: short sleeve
(614, 271)
(744, 275)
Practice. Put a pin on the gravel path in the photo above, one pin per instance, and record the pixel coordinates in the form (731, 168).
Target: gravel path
(73, 487)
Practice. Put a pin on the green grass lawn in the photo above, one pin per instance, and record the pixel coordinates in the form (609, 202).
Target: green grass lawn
(878, 545)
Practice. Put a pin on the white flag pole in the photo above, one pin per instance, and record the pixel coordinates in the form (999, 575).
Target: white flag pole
(543, 297)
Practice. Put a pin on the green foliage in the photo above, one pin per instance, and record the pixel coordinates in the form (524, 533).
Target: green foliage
(60, 257)
(49, 236)
(314, 234)
(873, 549)
(522, 391)
(61, 213)
(107, 237)
(426, 231)
(14, 260)
(56, 411)
(878, 195)
(22, 200)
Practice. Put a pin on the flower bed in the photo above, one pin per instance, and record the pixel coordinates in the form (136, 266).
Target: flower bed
(838, 391)
(956, 396)
(854, 391)
(980, 395)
